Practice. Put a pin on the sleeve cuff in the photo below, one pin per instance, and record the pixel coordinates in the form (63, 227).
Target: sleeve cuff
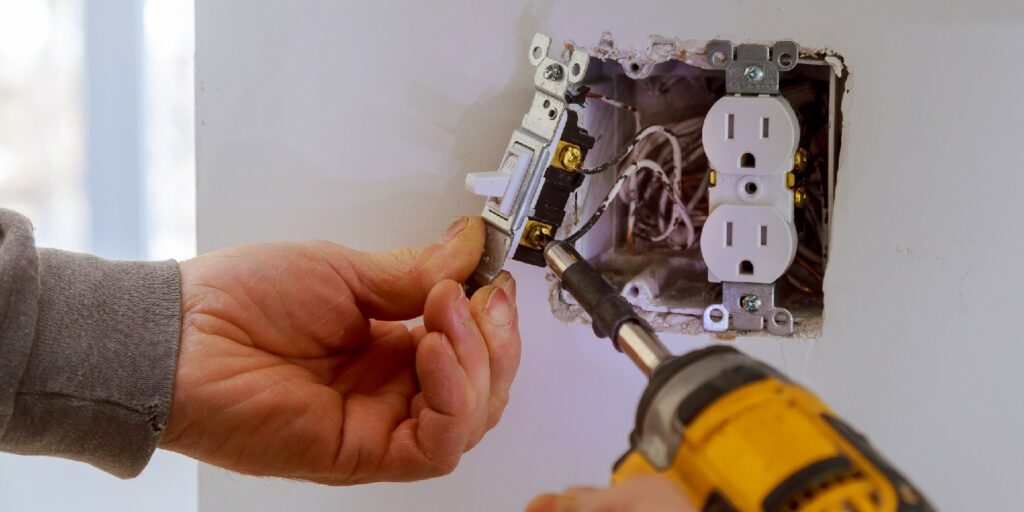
(97, 385)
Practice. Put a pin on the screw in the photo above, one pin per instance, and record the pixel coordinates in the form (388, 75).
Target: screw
(754, 73)
(570, 157)
(537, 235)
(553, 72)
(800, 160)
(799, 197)
(751, 303)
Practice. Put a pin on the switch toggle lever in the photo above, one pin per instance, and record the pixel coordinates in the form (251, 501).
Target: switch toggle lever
(502, 184)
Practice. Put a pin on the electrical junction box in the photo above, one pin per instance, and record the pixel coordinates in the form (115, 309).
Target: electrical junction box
(698, 177)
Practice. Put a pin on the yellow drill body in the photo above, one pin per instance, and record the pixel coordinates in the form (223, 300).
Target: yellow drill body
(754, 441)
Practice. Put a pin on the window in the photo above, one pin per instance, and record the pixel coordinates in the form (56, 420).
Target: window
(96, 147)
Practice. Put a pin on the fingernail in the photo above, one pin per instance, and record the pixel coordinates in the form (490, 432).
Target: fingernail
(510, 288)
(455, 229)
(507, 283)
(499, 309)
(501, 278)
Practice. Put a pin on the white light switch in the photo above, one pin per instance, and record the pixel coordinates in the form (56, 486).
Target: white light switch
(505, 182)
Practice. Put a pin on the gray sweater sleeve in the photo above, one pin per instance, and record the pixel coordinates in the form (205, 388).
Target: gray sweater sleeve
(88, 349)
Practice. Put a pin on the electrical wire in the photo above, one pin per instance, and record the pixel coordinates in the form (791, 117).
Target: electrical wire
(614, 191)
(618, 104)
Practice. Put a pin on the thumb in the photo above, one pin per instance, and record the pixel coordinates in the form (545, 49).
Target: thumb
(394, 285)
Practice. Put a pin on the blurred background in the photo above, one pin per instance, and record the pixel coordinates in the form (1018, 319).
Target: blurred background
(97, 148)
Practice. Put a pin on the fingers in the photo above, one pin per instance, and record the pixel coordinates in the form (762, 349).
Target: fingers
(450, 411)
(432, 441)
(395, 285)
(647, 493)
(494, 310)
(461, 343)
(448, 311)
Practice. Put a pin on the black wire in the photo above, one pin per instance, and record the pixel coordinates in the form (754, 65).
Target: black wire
(613, 162)
(596, 216)
(621, 155)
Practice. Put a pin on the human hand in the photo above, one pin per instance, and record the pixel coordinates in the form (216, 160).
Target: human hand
(647, 493)
(293, 362)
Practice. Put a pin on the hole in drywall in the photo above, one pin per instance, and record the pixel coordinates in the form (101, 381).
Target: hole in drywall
(634, 242)
(746, 268)
(747, 161)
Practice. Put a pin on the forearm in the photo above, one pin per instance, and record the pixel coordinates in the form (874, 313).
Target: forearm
(87, 352)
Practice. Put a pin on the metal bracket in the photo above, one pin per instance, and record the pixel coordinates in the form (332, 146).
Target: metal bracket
(752, 68)
(751, 307)
(541, 126)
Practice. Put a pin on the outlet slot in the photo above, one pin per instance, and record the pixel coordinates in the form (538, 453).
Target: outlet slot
(629, 244)
(747, 161)
(746, 268)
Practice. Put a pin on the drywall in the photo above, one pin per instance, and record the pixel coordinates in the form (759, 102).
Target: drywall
(356, 122)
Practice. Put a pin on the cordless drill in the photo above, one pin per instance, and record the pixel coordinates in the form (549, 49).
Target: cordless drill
(732, 433)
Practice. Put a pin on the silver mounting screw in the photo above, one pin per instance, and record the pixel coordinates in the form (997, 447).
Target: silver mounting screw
(553, 72)
(751, 303)
(754, 73)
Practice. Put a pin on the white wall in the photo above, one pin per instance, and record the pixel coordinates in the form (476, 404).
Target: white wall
(356, 122)
(45, 484)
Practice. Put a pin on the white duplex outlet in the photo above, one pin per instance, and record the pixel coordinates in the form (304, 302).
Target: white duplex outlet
(749, 236)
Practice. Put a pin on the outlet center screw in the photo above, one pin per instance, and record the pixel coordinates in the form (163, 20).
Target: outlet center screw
(754, 73)
(553, 72)
(751, 303)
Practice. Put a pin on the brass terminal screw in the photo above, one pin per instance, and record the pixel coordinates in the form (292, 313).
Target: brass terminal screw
(790, 179)
(536, 235)
(570, 157)
(713, 177)
(799, 197)
(800, 160)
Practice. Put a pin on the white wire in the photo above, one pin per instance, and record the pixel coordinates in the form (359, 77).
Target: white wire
(618, 104)
(672, 183)
(677, 152)
(679, 208)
